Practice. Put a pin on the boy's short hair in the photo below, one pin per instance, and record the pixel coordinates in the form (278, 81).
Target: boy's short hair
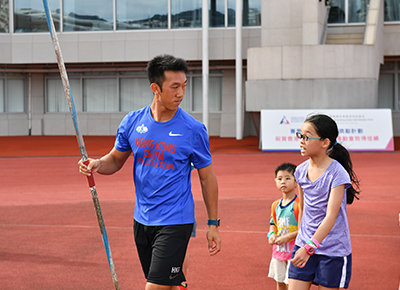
(286, 166)
(161, 63)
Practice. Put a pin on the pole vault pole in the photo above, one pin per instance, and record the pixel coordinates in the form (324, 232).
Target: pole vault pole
(82, 148)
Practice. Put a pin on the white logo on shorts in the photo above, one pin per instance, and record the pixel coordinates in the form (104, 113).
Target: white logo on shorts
(175, 270)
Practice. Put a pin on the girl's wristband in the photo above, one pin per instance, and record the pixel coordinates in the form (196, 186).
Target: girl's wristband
(270, 233)
(315, 242)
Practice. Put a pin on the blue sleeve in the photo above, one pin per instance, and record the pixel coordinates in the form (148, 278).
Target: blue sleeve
(201, 156)
(122, 140)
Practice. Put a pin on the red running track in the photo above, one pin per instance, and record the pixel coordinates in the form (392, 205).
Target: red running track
(50, 238)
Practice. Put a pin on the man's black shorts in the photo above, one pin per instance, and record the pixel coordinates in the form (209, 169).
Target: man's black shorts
(161, 251)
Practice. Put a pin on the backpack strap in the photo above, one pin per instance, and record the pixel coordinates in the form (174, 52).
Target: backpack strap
(273, 210)
(296, 208)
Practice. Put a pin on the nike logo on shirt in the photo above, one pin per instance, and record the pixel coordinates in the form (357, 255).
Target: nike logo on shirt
(174, 134)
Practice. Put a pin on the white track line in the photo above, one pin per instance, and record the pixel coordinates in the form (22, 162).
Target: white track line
(201, 230)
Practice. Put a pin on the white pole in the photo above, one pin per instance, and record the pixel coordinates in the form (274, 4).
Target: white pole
(30, 103)
(239, 71)
(205, 62)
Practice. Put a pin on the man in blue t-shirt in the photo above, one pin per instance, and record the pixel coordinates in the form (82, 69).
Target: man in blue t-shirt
(164, 140)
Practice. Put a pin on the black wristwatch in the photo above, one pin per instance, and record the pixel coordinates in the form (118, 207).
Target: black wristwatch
(213, 222)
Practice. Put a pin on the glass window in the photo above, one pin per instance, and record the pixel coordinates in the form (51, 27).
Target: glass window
(15, 96)
(358, 10)
(398, 92)
(4, 16)
(392, 10)
(150, 14)
(215, 94)
(29, 15)
(386, 91)
(186, 103)
(1, 96)
(231, 12)
(88, 15)
(185, 14)
(251, 12)
(337, 11)
(134, 94)
(388, 66)
(56, 99)
(99, 95)
(217, 13)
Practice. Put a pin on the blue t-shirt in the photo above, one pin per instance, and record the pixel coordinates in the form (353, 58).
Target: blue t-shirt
(163, 153)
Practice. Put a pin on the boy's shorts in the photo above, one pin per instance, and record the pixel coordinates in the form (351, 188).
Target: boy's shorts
(278, 270)
(330, 272)
(161, 251)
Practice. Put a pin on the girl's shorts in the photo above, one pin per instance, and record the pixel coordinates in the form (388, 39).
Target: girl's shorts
(278, 270)
(331, 272)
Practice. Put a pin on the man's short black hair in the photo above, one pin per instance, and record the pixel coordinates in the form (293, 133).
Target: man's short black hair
(161, 63)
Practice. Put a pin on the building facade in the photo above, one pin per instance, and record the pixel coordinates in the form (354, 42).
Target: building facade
(293, 56)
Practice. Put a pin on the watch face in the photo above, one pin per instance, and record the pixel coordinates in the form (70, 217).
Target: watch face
(310, 250)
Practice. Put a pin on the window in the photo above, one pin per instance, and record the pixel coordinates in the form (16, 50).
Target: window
(358, 10)
(251, 12)
(56, 99)
(12, 93)
(29, 15)
(392, 10)
(193, 100)
(389, 92)
(348, 11)
(2, 97)
(185, 14)
(355, 11)
(337, 11)
(125, 91)
(134, 93)
(217, 13)
(4, 16)
(151, 14)
(111, 15)
(88, 15)
(99, 95)
(15, 96)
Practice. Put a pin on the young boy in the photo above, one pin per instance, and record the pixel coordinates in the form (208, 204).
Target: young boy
(283, 224)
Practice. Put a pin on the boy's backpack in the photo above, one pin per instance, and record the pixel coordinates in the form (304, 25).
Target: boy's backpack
(296, 206)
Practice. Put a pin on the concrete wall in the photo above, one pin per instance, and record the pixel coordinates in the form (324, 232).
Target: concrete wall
(391, 40)
(312, 62)
(119, 46)
(311, 94)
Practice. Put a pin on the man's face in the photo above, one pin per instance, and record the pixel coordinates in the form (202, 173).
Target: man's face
(173, 90)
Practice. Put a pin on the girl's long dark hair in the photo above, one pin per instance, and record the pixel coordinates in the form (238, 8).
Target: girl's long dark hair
(326, 128)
